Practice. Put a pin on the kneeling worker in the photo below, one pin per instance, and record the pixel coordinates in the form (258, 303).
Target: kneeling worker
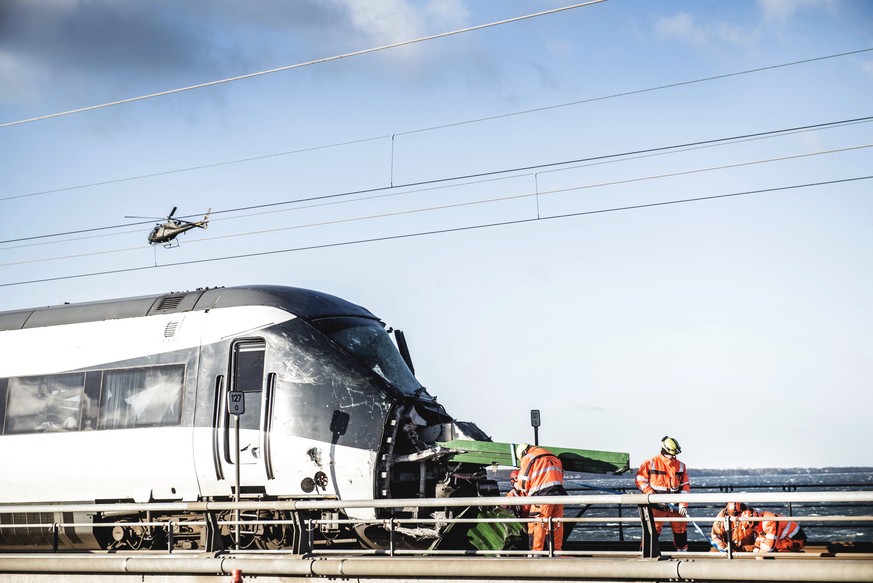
(540, 473)
(774, 535)
(742, 533)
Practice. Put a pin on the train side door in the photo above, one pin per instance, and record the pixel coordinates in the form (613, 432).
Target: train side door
(246, 377)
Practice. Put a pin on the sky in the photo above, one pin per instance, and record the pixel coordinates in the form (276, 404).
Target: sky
(640, 218)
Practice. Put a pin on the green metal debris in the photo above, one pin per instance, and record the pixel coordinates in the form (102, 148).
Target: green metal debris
(503, 454)
(485, 536)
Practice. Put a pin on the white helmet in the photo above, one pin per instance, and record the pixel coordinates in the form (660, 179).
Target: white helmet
(520, 449)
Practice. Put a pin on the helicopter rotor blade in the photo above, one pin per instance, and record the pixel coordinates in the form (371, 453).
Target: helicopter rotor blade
(139, 217)
(172, 212)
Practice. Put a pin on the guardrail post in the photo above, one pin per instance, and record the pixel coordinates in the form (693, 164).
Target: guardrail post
(55, 537)
(620, 526)
(551, 526)
(391, 537)
(649, 546)
(728, 535)
(170, 536)
(310, 526)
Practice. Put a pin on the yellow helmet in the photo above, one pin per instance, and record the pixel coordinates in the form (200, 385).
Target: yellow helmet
(670, 445)
(520, 449)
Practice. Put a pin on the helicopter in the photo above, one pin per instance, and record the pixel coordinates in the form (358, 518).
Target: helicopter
(165, 233)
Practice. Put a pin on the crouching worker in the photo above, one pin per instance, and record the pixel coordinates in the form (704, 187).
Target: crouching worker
(742, 533)
(778, 535)
(520, 510)
(541, 473)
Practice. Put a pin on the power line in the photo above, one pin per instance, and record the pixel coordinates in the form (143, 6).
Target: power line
(432, 128)
(600, 158)
(639, 91)
(306, 64)
(535, 194)
(445, 231)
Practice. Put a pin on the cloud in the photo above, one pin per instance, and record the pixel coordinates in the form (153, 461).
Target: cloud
(118, 47)
(101, 46)
(376, 24)
(782, 10)
(685, 27)
(385, 22)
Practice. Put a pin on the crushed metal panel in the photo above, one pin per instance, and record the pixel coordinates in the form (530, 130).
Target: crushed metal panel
(573, 460)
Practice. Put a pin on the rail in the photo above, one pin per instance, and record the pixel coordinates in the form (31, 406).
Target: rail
(862, 500)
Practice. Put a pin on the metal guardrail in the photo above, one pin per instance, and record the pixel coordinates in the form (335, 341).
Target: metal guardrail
(642, 501)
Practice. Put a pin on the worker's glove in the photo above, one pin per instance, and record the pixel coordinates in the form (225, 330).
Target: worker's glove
(683, 511)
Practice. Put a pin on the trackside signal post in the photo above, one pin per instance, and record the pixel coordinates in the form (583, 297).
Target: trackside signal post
(236, 406)
(535, 423)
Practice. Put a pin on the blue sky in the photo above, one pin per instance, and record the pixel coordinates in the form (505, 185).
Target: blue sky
(740, 325)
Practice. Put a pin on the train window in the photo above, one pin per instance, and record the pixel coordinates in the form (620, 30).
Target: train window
(44, 403)
(248, 377)
(370, 344)
(142, 397)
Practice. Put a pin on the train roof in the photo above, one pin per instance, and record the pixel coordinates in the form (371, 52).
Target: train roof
(303, 303)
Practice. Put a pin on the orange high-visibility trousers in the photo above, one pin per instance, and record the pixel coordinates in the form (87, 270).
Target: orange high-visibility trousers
(541, 529)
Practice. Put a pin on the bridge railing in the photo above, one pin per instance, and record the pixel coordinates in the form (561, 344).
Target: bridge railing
(10, 515)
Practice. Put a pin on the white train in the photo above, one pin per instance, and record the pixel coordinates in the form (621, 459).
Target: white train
(126, 401)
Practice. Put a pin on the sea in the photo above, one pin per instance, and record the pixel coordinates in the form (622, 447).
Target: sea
(733, 481)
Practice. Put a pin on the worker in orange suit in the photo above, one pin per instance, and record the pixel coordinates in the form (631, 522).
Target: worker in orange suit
(520, 510)
(778, 535)
(540, 473)
(742, 532)
(664, 474)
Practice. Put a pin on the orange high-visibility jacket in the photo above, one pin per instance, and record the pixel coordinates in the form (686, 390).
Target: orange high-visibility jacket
(774, 531)
(539, 469)
(742, 532)
(662, 475)
(523, 510)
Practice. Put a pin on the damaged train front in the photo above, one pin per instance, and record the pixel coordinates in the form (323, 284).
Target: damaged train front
(409, 459)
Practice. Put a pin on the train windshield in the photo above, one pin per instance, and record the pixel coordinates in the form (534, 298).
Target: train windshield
(370, 344)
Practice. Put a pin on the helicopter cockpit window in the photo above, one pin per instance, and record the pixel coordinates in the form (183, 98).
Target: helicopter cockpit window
(370, 344)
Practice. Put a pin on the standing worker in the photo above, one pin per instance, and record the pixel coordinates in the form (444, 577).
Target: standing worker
(664, 474)
(540, 473)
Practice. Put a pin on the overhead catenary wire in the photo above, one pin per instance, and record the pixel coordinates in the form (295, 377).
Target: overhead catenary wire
(640, 91)
(421, 130)
(514, 170)
(535, 194)
(304, 64)
(442, 231)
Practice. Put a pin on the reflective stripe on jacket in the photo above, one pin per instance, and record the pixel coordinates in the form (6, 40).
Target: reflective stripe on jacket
(774, 530)
(539, 470)
(661, 475)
